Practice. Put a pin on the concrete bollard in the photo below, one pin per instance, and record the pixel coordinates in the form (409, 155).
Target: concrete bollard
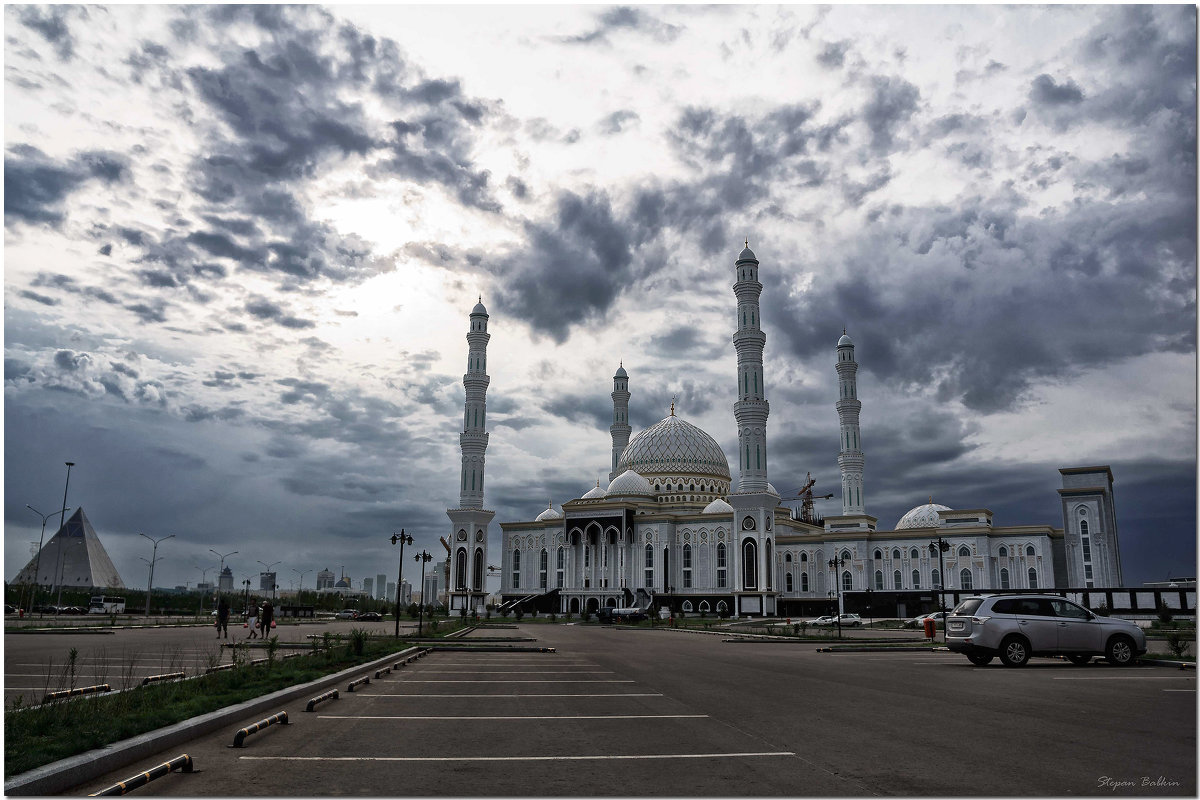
(280, 718)
(183, 763)
(331, 694)
(359, 682)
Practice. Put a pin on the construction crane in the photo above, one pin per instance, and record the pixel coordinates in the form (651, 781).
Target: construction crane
(804, 494)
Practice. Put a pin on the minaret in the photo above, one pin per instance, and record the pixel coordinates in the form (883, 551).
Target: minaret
(850, 457)
(468, 561)
(620, 428)
(751, 409)
(754, 503)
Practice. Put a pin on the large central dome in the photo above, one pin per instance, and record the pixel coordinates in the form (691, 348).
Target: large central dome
(674, 446)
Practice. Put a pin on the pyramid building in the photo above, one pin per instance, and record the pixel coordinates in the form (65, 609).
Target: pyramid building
(76, 551)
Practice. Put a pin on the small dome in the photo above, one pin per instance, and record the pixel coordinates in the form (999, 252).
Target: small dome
(747, 254)
(925, 516)
(772, 490)
(595, 493)
(673, 446)
(718, 506)
(549, 513)
(845, 341)
(629, 482)
(479, 309)
(621, 373)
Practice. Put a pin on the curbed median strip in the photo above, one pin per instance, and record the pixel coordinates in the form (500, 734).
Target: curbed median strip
(182, 763)
(281, 718)
(102, 687)
(166, 676)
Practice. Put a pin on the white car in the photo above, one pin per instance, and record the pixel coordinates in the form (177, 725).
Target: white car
(828, 619)
(848, 620)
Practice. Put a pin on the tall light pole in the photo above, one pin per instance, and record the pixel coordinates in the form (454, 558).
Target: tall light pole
(37, 564)
(64, 522)
(203, 579)
(940, 546)
(153, 559)
(424, 558)
(221, 568)
(836, 563)
(269, 566)
(403, 538)
(301, 589)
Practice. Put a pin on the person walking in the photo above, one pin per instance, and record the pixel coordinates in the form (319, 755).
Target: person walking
(223, 618)
(266, 618)
(252, 621)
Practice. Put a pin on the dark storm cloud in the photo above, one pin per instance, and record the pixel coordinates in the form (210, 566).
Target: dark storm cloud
(267, 310)
(686, 342)
(36, 186)
(833, 54)
(626, 18)
(586, 410)
(51, 23)
(892, 102)
(38, 298)
(1045, 92)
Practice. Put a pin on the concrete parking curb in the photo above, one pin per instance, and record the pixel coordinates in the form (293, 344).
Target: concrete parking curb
(1159, 662)
(61, 775)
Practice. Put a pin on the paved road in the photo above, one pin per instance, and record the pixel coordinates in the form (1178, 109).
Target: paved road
(640, 712)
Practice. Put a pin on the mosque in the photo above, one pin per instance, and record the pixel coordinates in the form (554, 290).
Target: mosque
(674, 529)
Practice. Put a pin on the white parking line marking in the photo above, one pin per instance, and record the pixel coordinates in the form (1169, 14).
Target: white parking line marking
(444, 759)
(506, 680)
(525, 671)
(515, 694)
(1179, 690)
(1126, 678)
(575, 716)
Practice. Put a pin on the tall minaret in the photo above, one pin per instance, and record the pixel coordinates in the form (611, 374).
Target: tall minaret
(620, 428)
(751, 409)
(850, 457)
(754, 502)
(468, 562)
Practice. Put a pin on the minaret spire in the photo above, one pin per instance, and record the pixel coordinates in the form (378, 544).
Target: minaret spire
(468, 562)
(751, 409)
(620, 429)
(850, 457)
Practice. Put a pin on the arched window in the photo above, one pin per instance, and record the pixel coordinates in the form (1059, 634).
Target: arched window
(787, 558)
(770, 566)
(687, 606)
(1083, 527)
(460, 569)
(560, 567)
(477, 570)
(878, 580)
(937, 578)
(916, 579)
(704, 607)
(897, 581)
(896, 554)
(878, 555)
(516, 569)
(1003, 551)
(964, 552)
(1029, 551)
(845, 555)
(914, 553)
(1033, 584)
(804, 581)
(649, 566)
(687, 566)
(964, 579)
(543, 568)
(722, 580)
(804, 558)
(787, 582)
(847, 582)
(749, 565)
(1004, 582)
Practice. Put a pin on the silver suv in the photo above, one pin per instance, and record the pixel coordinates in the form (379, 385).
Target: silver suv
(1017, 626)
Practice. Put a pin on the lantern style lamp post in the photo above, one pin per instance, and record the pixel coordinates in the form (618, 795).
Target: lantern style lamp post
(403, 539)
(836, 563)
(424, 558)
(940, 546)
(151, 562)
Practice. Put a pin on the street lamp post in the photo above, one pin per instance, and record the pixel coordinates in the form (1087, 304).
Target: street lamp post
(203, 579)
(836, 563)
(424, 558)
(221, 568)
(153, 559)
(66, 486)
(269, 566)
(246, 601)
(940, 546)
(301, 587)
(37, 564)
(403, 538)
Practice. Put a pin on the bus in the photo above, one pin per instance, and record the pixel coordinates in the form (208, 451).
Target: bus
(105, 604)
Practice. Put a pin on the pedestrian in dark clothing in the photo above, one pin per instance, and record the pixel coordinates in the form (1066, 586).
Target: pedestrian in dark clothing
(266, 617)
(223, 618)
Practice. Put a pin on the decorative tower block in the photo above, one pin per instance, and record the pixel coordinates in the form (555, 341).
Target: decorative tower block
(850, 455)
(755, 501)
(620, 428)
(469, 534)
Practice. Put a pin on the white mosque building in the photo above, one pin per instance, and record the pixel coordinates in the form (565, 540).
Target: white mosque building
(674, 528)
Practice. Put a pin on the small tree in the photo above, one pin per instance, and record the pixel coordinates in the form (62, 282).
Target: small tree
(518, 613)
(1164, 613)
(1179, 642)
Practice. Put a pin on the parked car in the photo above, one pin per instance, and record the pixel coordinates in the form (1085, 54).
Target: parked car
(828, 619)
(347, 613)
(919, 620)
(1015, 627)
(848, 620)
(368, 616)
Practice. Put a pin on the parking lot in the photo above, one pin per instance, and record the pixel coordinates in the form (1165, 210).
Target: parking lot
(639, 712)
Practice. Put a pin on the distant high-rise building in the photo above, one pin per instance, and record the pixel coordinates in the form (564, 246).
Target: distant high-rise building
(381, 587)
(369, 587)
(225, 580)
(406, 591)
(325, 579)
(266, 581)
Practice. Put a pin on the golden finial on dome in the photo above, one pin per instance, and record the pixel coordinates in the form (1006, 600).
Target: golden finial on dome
(673, 404)
(930, 499)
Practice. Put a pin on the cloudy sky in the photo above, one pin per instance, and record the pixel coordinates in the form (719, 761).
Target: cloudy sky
(241, 245)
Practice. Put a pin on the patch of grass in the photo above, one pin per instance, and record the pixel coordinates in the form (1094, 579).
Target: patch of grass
(38, 735)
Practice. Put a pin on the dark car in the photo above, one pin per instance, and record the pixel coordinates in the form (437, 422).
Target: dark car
(368, 616)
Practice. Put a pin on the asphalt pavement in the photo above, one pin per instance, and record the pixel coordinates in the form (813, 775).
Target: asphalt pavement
(621, 712)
